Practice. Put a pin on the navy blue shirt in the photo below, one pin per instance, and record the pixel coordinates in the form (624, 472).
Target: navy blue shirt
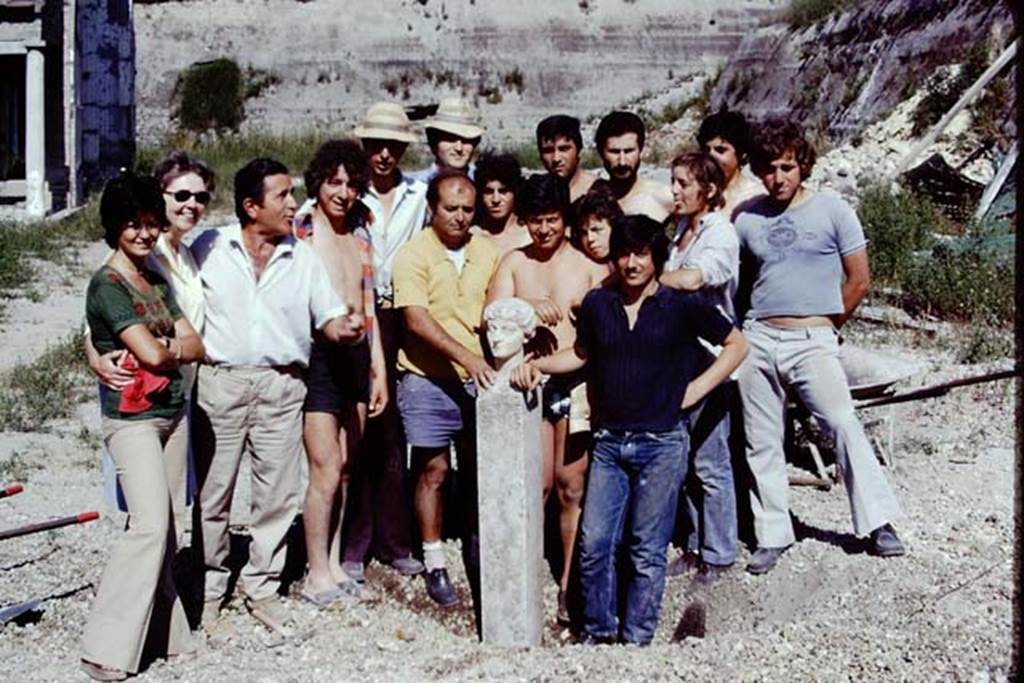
(638, 377)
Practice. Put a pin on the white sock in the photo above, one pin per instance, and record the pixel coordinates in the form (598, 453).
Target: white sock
(433, 556)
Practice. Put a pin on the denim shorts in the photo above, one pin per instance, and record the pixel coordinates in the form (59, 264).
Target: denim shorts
(434, 411)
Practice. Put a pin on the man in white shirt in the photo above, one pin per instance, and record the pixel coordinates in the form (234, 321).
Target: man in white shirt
(264, 291)
(378, 516)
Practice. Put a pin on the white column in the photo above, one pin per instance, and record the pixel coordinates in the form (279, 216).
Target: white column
(35, 134)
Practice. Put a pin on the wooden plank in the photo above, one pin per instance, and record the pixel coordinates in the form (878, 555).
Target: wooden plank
(964, 100)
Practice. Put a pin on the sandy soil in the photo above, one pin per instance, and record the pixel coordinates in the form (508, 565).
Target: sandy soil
(828, 612)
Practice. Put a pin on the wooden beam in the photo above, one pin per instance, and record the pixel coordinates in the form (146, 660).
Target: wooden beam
(964, 100)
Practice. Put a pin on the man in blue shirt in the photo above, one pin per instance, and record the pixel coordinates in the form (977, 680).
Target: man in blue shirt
(638, 341)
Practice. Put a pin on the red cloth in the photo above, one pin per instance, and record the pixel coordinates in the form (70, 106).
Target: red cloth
(134, 397)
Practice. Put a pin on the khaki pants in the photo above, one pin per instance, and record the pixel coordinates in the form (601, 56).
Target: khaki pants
(258, 411)
(136, 601)
(806, 359)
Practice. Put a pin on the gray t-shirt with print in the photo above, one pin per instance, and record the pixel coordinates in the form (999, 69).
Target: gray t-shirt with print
(798, 254)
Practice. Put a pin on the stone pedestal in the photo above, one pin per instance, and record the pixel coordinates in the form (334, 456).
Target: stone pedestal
(509, 463)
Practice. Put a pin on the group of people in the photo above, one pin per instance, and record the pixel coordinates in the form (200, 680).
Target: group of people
(353, 328)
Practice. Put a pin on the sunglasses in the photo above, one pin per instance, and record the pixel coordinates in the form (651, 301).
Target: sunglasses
(182, 196)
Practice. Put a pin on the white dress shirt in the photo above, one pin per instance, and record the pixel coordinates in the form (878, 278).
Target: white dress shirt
(408, 216)
(266, 322)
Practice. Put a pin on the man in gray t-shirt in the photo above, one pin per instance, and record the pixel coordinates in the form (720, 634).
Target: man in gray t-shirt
(806, 252)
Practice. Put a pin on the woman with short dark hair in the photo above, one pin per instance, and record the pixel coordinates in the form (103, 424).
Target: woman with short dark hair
(131, 309)
(187, 185)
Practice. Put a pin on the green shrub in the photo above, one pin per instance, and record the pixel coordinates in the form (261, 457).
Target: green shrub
(942, 91)
(896, 223)
(49, 388)
(986, 340)
(20, 242)
(211, 96)
(17, 244)
(962, 284)
(803, 13)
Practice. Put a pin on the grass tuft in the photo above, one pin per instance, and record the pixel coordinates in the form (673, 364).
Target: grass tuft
(49, 388)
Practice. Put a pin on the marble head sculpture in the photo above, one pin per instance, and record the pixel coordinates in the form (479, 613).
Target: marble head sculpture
(510, 323)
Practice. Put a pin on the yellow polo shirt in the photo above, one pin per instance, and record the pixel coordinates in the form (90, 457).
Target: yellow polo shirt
(425, 276)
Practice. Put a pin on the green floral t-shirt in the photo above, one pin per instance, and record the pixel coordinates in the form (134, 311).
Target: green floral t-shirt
(111, 306)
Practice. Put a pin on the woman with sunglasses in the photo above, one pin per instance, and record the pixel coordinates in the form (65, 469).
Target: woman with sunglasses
(187, 185)
(131, 309)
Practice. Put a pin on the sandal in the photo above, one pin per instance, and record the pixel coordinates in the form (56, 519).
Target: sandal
(98, 672)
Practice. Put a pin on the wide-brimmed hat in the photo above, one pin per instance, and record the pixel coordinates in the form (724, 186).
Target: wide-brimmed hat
(386, 121)
(455, 115)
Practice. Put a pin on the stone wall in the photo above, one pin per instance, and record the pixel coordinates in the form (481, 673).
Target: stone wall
(855, 67)
(519, 60)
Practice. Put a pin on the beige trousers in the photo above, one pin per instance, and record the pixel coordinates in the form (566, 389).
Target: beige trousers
(256, 411)
(137, 602)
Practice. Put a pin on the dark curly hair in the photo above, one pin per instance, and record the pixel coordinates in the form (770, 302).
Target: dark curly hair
(599, 202)
(331, 155)
(773, 138)
(124, 199)
(501, 167)
(731, 126)
(542, 193)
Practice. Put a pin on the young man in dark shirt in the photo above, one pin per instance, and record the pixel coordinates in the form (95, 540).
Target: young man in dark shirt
(638, 341)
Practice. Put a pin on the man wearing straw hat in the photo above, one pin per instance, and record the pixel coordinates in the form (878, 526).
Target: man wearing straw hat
(453, 134)
(379, 515)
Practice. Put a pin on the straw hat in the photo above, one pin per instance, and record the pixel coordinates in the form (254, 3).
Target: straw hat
(385, 121)
(455, 115)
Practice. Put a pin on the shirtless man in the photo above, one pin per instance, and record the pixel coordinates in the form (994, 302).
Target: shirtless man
(560, 143)
(726, 137)
(497, 181)
(344, 384)
(554, 277)
(620, 141)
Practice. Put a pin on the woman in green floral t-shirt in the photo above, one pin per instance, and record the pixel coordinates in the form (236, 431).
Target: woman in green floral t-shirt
(131, 308)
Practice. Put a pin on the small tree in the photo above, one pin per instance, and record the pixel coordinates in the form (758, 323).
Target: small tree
(210, 96)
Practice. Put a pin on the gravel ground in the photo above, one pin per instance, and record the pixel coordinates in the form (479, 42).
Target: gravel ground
(828, 612)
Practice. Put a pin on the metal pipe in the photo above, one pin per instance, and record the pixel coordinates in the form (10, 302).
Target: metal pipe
(49, 524)
(11, 490)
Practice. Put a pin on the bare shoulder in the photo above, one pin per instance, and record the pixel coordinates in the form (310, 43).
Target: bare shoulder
(513, 259)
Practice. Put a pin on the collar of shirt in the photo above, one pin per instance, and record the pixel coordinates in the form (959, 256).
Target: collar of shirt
(283, 249)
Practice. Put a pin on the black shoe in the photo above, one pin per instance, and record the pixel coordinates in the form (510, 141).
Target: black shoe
(590, 639)
(440, 588)
(764, 560)
(707, 574)
(687, 562)
(885, 542)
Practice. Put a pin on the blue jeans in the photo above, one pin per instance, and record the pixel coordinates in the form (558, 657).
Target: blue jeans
(634, 476)
(712, 506)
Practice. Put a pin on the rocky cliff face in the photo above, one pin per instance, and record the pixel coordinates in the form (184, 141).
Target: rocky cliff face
(519, 60)
(855, 67)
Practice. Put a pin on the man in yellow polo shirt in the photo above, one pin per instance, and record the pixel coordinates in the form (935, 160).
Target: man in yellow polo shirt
(440, 278)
